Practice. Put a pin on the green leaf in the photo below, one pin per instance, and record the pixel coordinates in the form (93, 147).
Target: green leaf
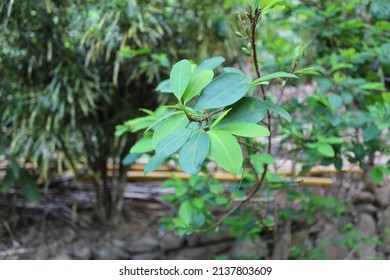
(373, 86)
(29, 187)
(180, 77)
(179, 223)
(220, 118)
(138, 124)
(143, 145)
(224, 90)
(168, 126)
(273, 76)
(120, 130)
(278, 110)
(371, 133)
(376, 174)
(333, 140)
(130, 158)
(225, 150)
(194, 152)
(198, 81)
(173, 142)
(164, 87)
(232, 70)
(307, 71)
(335, 101)
(198, 203)
(248, 109)
(211, 63)
(154, 163)
(386, 97)
(185, 212)
(265, 158)
(274, 9)
(8, 181)
(245, 129)
(325, 149)
(198, 219)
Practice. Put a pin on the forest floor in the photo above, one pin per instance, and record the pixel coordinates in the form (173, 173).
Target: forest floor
(64, 226)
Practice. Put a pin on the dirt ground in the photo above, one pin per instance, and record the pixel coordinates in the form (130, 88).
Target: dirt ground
(64, 226)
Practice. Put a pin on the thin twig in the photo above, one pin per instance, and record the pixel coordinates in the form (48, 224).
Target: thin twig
(292, 69)
(254, 20)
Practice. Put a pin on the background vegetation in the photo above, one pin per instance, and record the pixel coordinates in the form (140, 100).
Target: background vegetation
(71, 71)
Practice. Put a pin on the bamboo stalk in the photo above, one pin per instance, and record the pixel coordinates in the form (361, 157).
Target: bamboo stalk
(226, 177)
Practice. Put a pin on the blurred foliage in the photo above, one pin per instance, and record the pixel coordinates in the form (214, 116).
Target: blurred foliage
(71, 70)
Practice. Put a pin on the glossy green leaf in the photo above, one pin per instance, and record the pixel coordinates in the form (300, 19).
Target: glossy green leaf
(194, 152)
(263, 158)
(245, 129)
(278, 110)
(370, 133)
(154, 163)
(180, 77)
(164, 87)
(325, 149)
(220, 118)
(29, 187)
(307, 71)
(143, 145)
(274, 9)
(224, 90)
(130, 158)
(376, 174)
(225, 150)
(140, 123)
(373, 86)
(273, 76)
(198, 219)
(185, 212)
(386, 97)
(173, 142)
(248, 109)
(335, 101)
(120, 130)
(232, 70)
(334, 140)
(211, 63)
(168, 126)
(198, 81)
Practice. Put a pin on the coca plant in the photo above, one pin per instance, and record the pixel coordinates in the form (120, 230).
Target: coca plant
(219, 114)
(209, 117)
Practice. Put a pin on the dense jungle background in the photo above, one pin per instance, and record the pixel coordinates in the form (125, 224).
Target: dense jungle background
(74, 75)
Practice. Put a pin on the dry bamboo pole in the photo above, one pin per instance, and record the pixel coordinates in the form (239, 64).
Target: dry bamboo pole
(226, 177)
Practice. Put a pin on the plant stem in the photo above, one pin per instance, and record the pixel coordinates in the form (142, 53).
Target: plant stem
(254, 19)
